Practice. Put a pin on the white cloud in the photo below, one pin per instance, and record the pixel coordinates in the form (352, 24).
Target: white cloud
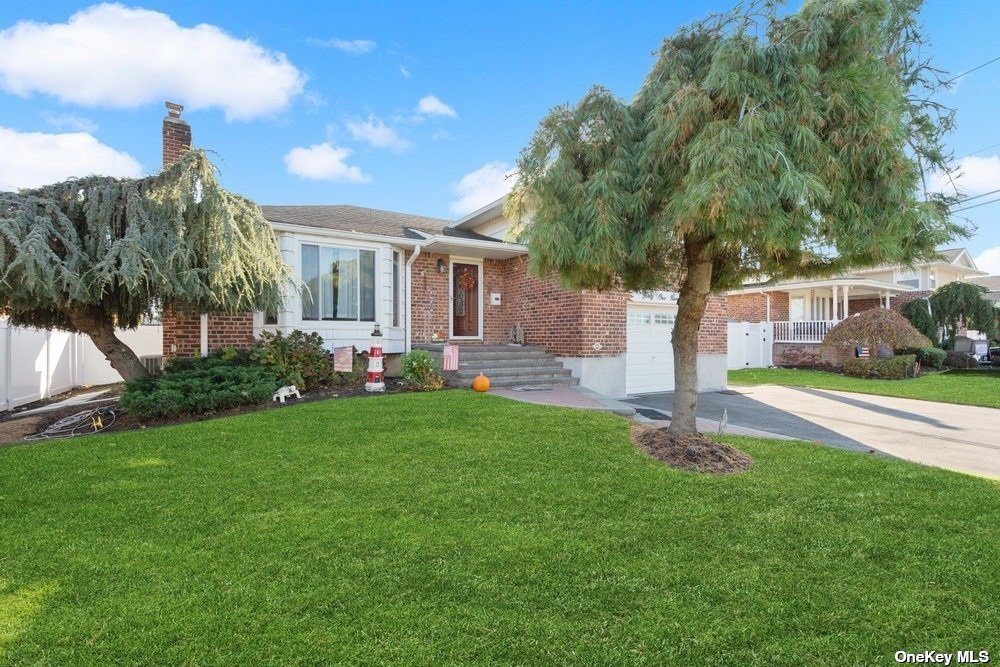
(355, 47)
(405, 72)
(31, 159)
(430, 105)
(975, 176)
(378, 134)
(482, 186)
(68, 121)
(989, 260)
(109, 55)
(324, 162)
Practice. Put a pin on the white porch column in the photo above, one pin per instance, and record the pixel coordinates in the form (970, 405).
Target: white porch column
(836, 294)
(846, 289)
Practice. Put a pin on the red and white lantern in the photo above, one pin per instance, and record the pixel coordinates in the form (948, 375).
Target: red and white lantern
(375, 369)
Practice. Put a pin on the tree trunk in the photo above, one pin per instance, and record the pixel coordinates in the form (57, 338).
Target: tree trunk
(101, 329)
(690, 309)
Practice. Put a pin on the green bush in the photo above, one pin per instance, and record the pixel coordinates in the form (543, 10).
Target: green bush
(205, 385)
(959, 360)
(423, 370)
(931, 357)
(896, 368)
(228, 356)
(298, 358)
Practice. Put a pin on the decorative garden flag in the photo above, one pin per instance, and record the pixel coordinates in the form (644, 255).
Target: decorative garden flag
(343, 358)
(450, 358)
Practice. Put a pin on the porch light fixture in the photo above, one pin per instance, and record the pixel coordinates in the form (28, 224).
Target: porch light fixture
(442, 267)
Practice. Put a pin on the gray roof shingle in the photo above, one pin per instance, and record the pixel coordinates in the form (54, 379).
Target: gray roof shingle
(355, 219)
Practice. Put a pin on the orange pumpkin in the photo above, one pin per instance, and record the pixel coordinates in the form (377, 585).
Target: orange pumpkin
(481, 383)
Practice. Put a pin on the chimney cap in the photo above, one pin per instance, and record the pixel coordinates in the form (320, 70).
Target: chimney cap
(173, 109)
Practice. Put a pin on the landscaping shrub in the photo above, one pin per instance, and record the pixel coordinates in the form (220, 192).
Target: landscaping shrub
(298, 358)
(227, 356)
(201, 386)
(896, 368)
(876, 329)
(930, 357)
(423, 370)
(959, 360)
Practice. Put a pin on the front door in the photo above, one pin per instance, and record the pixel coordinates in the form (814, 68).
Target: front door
(465, 305)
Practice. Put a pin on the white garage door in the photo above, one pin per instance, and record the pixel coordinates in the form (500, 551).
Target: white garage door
(649, 360)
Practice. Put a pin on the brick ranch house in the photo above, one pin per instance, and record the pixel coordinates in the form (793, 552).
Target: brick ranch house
(425, 280)
(800, 313)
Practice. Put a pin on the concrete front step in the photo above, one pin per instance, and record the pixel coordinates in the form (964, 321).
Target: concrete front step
(491, 373)
(533, 382)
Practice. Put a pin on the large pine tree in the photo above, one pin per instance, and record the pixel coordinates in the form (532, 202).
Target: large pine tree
(96, 253)
(759, 145)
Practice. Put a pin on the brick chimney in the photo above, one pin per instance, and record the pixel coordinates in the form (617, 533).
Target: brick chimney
(176, 134)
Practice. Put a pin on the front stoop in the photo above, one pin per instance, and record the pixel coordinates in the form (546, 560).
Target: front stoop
(508, 366)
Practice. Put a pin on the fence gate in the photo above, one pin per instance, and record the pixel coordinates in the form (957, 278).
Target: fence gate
(750, 345)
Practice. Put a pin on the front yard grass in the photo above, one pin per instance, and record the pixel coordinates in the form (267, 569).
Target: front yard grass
(965, 388)
(461, 528)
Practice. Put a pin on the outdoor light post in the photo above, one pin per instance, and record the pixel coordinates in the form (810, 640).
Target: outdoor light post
(375, 381)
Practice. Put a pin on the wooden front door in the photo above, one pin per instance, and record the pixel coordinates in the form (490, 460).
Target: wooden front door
(465, 304)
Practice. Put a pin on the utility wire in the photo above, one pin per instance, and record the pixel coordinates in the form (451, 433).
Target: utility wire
(966, 208)
(991, 192)
(969, 71)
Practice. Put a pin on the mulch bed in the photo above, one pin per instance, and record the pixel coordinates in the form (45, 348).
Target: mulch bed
(690, 452)
(14, 427)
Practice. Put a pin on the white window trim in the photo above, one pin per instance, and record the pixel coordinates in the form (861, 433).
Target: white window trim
(451, 295)
(303, 322)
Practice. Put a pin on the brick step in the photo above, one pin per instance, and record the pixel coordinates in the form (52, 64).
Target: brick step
(519, 371)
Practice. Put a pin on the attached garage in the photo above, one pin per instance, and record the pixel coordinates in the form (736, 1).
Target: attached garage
(649, 358)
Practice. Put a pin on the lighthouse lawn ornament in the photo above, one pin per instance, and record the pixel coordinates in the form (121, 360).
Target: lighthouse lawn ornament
(375, 370)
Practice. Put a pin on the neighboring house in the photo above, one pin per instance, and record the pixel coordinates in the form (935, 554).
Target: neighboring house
(992, 284)
(802, 311)
(425, 280)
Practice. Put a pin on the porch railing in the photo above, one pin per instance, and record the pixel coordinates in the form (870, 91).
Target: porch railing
(809, 331)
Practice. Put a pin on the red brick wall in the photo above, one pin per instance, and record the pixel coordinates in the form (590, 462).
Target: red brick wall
(234, 330)
(181, 334)
(713, 335)
(897, 302)
(753, 307)
(565, 322)
(430, 297)
(495, 329)
(860, 305)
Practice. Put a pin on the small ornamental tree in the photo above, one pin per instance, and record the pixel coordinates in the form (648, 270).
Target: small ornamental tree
(919, 314)
(92, 254)
(759, 145)
(963, 304)
(876, 329)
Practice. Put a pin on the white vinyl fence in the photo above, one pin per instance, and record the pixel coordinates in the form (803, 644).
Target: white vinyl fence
(750, 345)
(36, 364)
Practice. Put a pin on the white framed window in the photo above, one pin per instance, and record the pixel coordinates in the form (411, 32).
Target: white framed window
(933, 280)
(908, 277)
(639, 318)
(664, 318)
(339, 283)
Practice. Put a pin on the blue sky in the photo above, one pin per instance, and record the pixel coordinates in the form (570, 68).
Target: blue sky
(412, 108)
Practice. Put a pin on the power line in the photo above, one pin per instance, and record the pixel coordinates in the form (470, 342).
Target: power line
(979, 151)
(969, 71)
(966, 208)
(978, 196)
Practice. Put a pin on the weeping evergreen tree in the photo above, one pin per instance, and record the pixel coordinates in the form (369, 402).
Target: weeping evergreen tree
(919, 314)
(758, 146)
(92, 254)
(963, 304)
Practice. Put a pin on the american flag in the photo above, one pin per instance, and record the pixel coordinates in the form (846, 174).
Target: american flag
(343, 358)
(450, 358)
(861, 352)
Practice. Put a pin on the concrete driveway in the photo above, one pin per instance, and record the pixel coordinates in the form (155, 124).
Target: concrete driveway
(956, 437)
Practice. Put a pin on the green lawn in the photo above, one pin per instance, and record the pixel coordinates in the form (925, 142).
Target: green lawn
(965, 388)
(461, 528)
